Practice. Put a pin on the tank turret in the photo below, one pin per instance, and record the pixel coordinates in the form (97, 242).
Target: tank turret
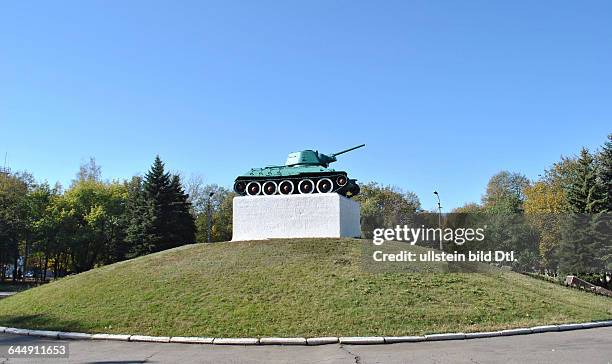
(304, 172)
(311, 157)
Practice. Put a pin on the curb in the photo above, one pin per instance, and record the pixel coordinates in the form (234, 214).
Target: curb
(403, 339)
(12, 330)
(191, 340)
(110, 337)
(547, 328)
(567, 327)
(282, 341)
(347, 340)
(520, 331)
(44, 333)
(322, 340)
(152, 339)
(74, 336)
(362, 340)
(450, 336)
(480, 335)
(236, 341)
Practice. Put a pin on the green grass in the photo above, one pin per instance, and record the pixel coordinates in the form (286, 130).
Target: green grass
(301, 287)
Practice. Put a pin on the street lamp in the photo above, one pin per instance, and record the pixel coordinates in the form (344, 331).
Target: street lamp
(439, 217)
(209, 217)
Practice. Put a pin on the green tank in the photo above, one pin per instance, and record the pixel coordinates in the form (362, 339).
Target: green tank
(303, 173)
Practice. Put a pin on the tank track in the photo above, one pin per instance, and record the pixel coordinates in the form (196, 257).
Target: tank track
(300, 184)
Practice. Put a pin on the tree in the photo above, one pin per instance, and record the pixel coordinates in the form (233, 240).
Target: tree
(505, 193)
(605, 173)
(506, 228)
(220, 204)
(166, 221)
(14, 217)
(468, 208)
(544, 203)
(182, 230)
(584, 194)
(584, 243)
(91, 211)
(222, 217)
(385, 206)
(139, 218)
(89, 171)
(40, 199)
(45, 226)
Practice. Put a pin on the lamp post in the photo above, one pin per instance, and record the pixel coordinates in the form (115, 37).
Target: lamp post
(439, 217)
(209, 217)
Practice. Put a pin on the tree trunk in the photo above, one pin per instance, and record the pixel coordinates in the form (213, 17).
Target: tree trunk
(15, 269)
(44, 277)
(25, 259)
(55, 266)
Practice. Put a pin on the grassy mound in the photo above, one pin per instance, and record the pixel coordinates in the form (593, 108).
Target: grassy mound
(305, 287)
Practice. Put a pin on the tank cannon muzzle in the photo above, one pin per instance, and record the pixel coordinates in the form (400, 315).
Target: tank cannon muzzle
(325, 160)
(347, 150)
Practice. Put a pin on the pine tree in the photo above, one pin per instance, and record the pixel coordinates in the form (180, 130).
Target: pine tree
(183, 223)
(158, 197)
(580, 246)
(139, 221)
(163, 219)
(583, 239)
(585, 194)
(605, 173)
(605, 179)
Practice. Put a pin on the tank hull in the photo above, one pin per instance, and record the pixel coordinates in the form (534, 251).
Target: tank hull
(304, 172)
(296, 183)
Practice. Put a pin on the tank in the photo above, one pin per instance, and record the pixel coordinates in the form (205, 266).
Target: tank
(304, 172)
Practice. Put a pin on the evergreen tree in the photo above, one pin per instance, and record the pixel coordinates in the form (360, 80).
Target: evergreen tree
(585, 194)
(183, 223)
(139, 220)
(605, 178)
(161, 217)
(157, 197)
(605, 173)
(584, 243)
(580, 249)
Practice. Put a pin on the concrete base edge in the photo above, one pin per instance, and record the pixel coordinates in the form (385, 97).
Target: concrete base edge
(355, 340)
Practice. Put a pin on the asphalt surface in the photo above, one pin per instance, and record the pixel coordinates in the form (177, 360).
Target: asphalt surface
(582, 346)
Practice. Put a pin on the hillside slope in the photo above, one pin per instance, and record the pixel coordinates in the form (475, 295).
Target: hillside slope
(300, 287)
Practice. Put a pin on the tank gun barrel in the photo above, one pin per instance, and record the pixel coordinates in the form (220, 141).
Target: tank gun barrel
(348, 150)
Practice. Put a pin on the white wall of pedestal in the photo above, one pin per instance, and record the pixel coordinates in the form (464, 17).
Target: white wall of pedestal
(316, 215)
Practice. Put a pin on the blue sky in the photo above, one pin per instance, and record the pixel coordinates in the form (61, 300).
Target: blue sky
(444, 93)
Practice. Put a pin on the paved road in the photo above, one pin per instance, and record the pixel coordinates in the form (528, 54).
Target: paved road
(583, 346)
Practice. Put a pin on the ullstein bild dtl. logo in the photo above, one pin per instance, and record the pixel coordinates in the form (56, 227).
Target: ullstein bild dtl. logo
(437, 256)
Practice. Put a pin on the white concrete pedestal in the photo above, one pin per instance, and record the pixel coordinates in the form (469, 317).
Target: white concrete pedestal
(318, 215)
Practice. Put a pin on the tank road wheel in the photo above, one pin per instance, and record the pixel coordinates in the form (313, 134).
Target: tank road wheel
(285, 187)
(341, 181)
(269, 188)
(240, 187)
(325, 185)
(306, 186)
(253, 188)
